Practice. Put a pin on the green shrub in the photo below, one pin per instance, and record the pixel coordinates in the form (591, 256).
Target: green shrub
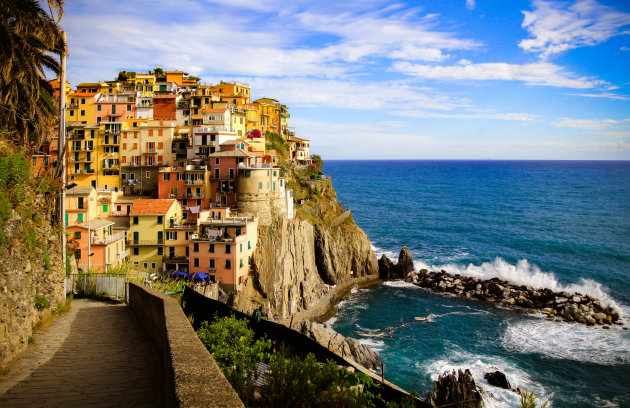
(41, 303)
(31, 340)
(46, 259)
(528, 400)
(231, 342)
(15, 171)
(30, 235)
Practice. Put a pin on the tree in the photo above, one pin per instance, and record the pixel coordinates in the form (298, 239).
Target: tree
(30, 38)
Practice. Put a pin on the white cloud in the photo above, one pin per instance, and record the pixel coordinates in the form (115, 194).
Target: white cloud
(625, 48)
(605, 96)
(351, 94)
(560, 26)
(519, 117)
(543, 73)
(586, 124)
(470, 4)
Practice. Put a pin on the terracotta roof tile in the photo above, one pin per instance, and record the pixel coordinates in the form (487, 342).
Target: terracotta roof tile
(151, 207)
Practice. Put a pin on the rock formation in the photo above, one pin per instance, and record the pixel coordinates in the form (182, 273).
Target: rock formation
(449, 389)
(344, 346)
(388, 270)
(570, 307)
(497, 379)
(297, 261)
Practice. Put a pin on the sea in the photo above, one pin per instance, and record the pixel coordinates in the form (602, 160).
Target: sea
(563, 225)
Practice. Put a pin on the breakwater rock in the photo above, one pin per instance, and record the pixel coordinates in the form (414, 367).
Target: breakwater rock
(570, 307)
(344, 346)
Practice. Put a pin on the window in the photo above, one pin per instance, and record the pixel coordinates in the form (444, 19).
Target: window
(98, 107)
(171, 235)
(151, 132)
(241, 263)
(152, 265)
(82, 113)
(105, 208)
(217, 161)
(118, 208)
(77, 254)
(196, 247)
(228, 249)
(211, 263)
(167, 176)
(160, 250)
(77, 235)
(260, 185)
(79, 217)
(160, 219)
(249, 245)
(128, 107)
(135, 220)
(248, 173)
(146, 265)
(196, 262)
(211, 248)
(228, 264)
(136, 251)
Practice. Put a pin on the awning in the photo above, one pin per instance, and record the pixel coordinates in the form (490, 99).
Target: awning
(180, 273)
(198, 275)
(194, 210)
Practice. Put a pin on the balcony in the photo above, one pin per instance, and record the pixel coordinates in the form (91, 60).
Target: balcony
(108, 240)
(150, 151)
(112, 131)
(130, 181)
(122, 255)
(183, 105)
(195, 195)
(111, 166)
(76, 135)
(177, 196)
(181, 225)
(174, 258)
(72, 106)
(190, 182)
(144, 105)
(89, 147)
(119, 214)
(211, 129)
(115, 114)
(202, 238)
(145, 242)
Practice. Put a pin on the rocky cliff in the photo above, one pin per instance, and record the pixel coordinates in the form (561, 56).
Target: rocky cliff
(297, 261)
(31, 272)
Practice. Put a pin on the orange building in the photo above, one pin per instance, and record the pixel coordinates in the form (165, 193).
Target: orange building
(98, 247)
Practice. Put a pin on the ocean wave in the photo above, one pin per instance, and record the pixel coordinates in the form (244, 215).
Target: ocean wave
(525, 273)
(479, 365)
(399, 284)
(376, 345)
(575, 342)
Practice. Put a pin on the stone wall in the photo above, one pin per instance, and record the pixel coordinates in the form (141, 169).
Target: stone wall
(31, 274)
(192, 377)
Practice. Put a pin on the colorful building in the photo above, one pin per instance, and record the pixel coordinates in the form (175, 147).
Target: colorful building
(98, 246)
(223, 249)
(80, 205)
(147, 231)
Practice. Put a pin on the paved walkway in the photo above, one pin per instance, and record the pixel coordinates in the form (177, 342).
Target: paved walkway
(95, 355)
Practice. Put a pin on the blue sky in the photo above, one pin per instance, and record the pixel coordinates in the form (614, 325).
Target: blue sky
(457, 79)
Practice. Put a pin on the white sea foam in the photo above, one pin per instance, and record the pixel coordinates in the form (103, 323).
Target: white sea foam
(330, 322)
(568, 341)
(525, 273)
(400, 284)
(479, 366)
(376, 345)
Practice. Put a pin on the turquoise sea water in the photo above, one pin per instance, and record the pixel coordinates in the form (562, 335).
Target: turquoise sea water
(563, 225)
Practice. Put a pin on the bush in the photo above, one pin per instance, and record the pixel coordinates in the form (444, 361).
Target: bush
(15, 171)
(41, 303)
(231, 342)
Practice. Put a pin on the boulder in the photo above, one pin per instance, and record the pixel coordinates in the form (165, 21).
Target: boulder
(405, 263)
(497, 379)
(385, 268)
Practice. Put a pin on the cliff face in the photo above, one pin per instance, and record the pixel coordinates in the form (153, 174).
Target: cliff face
(295, 260)
(31, 275)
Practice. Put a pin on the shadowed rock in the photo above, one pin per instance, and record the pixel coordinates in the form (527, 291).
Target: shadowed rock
(497, 379)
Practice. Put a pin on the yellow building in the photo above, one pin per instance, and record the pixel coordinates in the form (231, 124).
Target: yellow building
(149, 220)
(234, 92)
(80, 205)
(82, 142)
(269, 113)
(144, 83)
(252, 117)
(81, 105)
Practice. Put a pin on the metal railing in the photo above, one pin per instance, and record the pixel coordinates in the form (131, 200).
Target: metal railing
(145, 242)
(108, 240)
(96, 283)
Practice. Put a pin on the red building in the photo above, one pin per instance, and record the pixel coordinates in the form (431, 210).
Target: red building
(165, 107)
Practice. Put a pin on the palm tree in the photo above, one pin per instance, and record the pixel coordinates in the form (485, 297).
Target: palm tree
(29, 40)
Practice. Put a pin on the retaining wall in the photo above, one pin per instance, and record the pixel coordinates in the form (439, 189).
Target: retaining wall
(192, 377)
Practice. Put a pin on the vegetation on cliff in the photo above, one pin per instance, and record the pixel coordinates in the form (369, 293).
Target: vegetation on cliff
(266, 374)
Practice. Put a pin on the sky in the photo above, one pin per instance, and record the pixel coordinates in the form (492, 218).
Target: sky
(371, 79)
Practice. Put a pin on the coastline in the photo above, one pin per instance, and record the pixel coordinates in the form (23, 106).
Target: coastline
(326, 307)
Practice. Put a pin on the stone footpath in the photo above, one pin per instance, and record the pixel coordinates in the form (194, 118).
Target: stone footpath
(95, 355)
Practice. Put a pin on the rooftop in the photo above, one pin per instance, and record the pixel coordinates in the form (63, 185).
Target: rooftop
(79, 191)
(232, 153)
(151, 206)
(96, 224)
